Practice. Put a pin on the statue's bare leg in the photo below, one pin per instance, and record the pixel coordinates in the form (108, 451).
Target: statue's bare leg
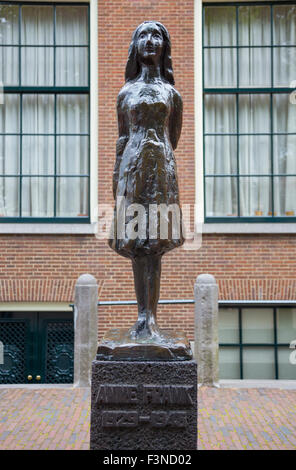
(147, 271)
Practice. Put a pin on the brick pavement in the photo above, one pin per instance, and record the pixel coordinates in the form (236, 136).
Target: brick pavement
(58, 418)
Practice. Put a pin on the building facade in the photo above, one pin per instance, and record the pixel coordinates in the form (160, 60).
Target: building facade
(62, 66)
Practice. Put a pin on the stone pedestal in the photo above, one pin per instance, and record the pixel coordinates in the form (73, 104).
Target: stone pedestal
(144, 405)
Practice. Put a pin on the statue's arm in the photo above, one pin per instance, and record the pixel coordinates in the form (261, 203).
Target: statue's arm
(175, 123)
(123, 132)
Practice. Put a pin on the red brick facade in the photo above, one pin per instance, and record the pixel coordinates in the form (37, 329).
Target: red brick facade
(44, 268)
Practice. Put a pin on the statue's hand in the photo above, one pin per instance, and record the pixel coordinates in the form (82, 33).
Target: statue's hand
(152, 141)
(120, 145)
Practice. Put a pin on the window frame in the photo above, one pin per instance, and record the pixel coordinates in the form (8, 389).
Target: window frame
(55, 91)
(275, 345)
(237, 91)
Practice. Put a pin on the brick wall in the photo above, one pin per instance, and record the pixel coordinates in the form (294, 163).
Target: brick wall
(45, 268)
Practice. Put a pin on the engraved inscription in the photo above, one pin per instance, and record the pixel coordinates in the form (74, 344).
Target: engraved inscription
(161, 419)
(117, 394)
(120, 419)
(157, 419)
(167, 394)
(146, 394)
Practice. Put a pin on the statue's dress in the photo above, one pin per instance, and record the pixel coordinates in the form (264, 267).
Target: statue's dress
(147, 176)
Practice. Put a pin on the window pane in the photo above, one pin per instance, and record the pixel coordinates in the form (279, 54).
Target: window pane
(71, 66)
(71, 25)
(285, 196)
(38, 111)
(9, 154)
(38, 114)
(254, 67)
(254, 114)
(258, 363)
(72, 155)
(37, 66)
(72, 114)
(287, 371)
(229, 363)
(255, 196)
(284, 113)
(37, 197)
(220, 26)
(9, 28)
(257, 325)
(220, 114)
(10, 114)
(254, 26)
(37, 24)
(284, 24)
(286, 325)
(9, 64)
(254, 154)
(38, 155)
(228, 325)
(284, 65)
(284, 154)
(220, 68)
(72, 197)
(220, 153)
(221, 197)
(9, 197)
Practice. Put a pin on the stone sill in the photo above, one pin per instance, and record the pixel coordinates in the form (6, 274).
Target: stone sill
(286, 228)
(48, 229)
(279, 384)
(38, 386)
(90, 229)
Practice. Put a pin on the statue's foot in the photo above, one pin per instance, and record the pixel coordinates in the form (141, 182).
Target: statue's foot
(144, 329)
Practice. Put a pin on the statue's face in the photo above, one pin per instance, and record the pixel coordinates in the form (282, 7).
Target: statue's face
(150, 43)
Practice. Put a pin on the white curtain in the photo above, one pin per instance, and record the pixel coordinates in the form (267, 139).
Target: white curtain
(253, 152)
(9, 113)
(284, 110)
(38, 113)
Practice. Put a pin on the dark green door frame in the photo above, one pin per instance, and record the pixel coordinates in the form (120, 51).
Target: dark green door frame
(38, 347)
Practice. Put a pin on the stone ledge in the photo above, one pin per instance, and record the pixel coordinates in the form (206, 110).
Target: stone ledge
(247, 383)
(237, 228)
(49, 229)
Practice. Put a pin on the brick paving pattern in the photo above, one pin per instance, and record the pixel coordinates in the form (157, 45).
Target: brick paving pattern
(233, 419)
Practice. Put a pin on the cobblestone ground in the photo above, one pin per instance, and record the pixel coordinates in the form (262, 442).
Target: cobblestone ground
(257, 419)
(228, 419)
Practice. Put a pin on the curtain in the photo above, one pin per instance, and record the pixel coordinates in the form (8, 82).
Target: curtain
(43, 156)
(9, 113)
(284, 110)
(249, 154)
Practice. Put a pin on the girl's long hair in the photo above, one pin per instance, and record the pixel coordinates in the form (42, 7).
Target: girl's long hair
(133, 66)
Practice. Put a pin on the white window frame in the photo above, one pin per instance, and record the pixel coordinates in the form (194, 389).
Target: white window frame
(90, 228)
(269, 228)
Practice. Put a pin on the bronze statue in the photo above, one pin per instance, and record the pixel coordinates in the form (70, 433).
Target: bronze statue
(149, 111)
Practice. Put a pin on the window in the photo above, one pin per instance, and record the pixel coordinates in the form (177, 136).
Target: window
(254, 342)
(249, 55)
(44, 120)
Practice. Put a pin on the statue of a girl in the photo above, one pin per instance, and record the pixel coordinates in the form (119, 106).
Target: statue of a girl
(149, 113)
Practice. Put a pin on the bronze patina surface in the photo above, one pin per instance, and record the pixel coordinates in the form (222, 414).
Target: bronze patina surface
(117, 345)
(149, 111)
